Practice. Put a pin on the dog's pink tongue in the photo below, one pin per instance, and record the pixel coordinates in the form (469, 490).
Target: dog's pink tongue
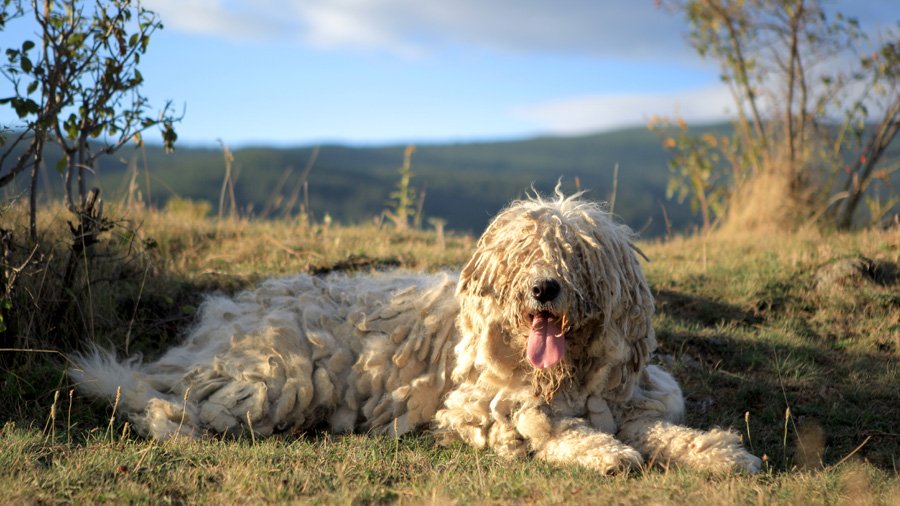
(546, 342)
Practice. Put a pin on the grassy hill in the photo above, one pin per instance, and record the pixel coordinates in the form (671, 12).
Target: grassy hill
(792, 341)
(463, 183)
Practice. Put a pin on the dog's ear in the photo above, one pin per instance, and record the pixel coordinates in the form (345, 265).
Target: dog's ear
(470, 280)
(481, 274)
(635, 325)
(619, 285)
(637, 321)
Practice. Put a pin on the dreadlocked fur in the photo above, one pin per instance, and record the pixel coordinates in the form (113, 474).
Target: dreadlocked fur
(542, 349)
(577, 243)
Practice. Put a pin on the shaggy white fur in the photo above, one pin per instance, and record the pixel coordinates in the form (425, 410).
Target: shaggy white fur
(538, 347)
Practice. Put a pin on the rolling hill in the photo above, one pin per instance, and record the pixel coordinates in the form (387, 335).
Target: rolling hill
(463, 183)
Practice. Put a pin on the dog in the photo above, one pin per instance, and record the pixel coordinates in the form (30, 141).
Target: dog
(538, 347)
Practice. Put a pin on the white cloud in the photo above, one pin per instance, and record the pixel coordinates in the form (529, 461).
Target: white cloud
(636, 29)
(220, 18)
(351, 24)
(412, 28)
(587, 114)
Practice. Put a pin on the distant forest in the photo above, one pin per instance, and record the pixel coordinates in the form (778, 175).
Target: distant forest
(463, 183)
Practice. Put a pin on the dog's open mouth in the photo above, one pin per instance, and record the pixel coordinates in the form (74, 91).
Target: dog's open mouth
(546, 341)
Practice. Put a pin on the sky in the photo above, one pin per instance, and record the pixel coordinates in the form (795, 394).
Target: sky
(364, 72)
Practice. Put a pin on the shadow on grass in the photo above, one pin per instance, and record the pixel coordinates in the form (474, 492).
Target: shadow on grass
(809, 404)
(701, 310)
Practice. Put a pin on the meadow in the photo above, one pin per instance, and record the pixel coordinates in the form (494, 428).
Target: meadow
(791, 339)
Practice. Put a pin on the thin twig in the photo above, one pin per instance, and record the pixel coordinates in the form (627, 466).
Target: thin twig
(250, 425)
(187, 393)
(32, 350)
(226, 181)
(858, 448)
(300, 186)
(612, 198)
(134, 313)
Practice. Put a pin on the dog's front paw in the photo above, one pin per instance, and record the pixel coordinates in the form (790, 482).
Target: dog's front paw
(598, 451)
(722, 451)
(612, 460)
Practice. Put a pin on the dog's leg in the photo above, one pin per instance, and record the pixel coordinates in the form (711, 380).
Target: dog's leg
(717, 451)
(647, 423)
(573, 441)
(514, 427)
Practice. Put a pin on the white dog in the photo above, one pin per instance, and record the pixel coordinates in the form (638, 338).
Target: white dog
(538, 347)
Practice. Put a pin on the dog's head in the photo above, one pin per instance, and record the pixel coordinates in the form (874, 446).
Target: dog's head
(555, 288)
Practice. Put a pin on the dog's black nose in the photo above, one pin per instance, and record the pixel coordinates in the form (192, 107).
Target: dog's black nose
(545, 290)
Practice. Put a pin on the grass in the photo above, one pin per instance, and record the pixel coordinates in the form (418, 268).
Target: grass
(806, 370)
(753, 330)
(365, 470)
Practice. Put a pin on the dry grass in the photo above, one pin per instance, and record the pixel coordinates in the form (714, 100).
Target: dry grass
(366, 470)
(744, 322)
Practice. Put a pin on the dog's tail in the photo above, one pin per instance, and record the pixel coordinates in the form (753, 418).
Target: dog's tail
(97, 373)
(136, 391)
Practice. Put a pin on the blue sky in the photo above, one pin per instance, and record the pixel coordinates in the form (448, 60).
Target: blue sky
(292, 72)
